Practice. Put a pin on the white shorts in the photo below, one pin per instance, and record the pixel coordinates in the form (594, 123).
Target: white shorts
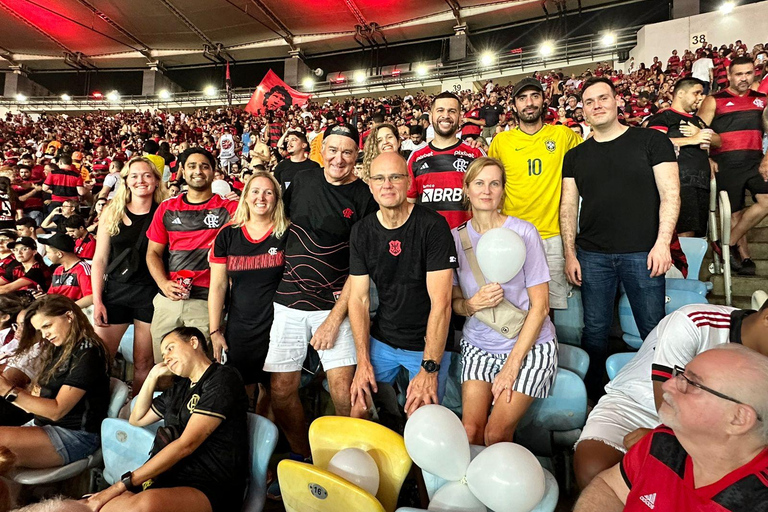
(292, 329)
(615, 416)
(536, 373)
(558, 284)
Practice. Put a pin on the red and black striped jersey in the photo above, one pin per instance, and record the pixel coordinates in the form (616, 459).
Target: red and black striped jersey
(739, 121)
(37, 275)
(63, 184)
(437, 179)
(85, 247)
(189, 230)
(74, 282)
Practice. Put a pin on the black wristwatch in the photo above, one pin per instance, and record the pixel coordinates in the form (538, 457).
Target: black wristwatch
(12, 395)
(430, 366)
(126, 479)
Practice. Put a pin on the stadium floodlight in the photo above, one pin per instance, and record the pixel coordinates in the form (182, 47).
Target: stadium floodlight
(546, 49)
(727, 8)
(609, 39)
(487, 58)
(165, 94)
(421, 70)
(308, 82)
(66, 97)
(209, 91)
(359, 77)
(21, 98)
(113, 96)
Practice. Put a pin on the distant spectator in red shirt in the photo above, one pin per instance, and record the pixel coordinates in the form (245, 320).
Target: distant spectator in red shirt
(85, 242)
(72, 277)
(673, 62)
(64, 183)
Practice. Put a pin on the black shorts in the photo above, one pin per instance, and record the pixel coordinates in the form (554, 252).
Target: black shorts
(128, 302)
(694, 211)
(736, 181)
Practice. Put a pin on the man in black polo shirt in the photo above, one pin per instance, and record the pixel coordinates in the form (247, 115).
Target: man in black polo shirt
(688, 132)
(491, 113)
(630, 188)
(408, 251)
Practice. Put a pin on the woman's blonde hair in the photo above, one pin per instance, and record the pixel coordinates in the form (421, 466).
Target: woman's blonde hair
(371, 149)
(116, 207)
(243, 213)
(477, 165)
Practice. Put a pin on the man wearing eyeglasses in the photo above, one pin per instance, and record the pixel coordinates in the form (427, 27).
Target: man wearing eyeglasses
(710, 453)
(629, 409)
(408, 251)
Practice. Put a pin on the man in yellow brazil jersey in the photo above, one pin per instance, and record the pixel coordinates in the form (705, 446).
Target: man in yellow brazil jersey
(533, 155)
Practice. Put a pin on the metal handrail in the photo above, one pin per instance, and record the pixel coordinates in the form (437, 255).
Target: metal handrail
(713, 224)
(528, 59)
(725, 229)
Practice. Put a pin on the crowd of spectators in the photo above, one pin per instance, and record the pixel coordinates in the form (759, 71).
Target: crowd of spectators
(246, 249)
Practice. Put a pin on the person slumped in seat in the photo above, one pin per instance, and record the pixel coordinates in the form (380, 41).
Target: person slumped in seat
(710, 454)
(199, 458)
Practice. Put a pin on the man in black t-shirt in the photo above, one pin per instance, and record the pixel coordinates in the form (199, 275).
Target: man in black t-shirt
(311, 299)
(491, 113)
(689, 133)
(298, 149)
(408, 251)
(630, 188)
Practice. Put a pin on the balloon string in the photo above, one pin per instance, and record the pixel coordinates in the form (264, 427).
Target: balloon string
(463, 480)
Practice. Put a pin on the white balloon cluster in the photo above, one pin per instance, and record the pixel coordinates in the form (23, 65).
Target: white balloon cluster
(504, 477)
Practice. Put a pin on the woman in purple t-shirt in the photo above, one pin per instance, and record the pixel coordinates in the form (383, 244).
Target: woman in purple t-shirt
(506, 373)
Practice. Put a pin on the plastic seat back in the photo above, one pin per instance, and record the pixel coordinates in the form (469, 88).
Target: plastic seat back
(570, 322)
(262, 436)
(124, 447)
(118, 395)
(616, 362)
(694, 250)
(564, 409)
(330, 434)
(308, 488)
(126, 344)
(674, 300)
(574, 359)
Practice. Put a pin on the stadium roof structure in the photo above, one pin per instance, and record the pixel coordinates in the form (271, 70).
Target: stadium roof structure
(109, 34)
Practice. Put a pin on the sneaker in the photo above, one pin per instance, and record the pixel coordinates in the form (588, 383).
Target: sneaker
(735, 259)
(748, 267)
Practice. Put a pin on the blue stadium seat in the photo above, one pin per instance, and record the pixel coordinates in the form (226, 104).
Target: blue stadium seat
(124, 446)
(263, 439)
(691, 285)
(616, 362)
(694, 250)
(126, 344)
(574, 359)
(570, 322)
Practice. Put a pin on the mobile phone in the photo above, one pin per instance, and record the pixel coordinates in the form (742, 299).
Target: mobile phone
(223, 357)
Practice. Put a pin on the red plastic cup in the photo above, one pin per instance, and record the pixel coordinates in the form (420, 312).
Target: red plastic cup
(184, 278)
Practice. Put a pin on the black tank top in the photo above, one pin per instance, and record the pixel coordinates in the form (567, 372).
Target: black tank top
(127, 238)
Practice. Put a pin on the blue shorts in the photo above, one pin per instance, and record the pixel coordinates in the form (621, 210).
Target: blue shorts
(387, 362)
(71, 445)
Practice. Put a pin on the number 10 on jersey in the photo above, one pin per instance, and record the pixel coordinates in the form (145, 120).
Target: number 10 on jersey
(534, 167)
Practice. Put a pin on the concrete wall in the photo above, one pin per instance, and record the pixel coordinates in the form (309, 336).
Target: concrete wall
(747, 22)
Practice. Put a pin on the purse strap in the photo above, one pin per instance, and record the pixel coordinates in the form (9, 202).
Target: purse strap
(469, 251)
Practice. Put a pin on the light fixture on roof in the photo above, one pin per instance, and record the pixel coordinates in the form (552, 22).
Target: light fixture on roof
(113, 96)
(66, 97)
(308, 82)
(487, 59)
(609, 39)
(421, 70)
(165, 94)
(546, 49)
(359, 77)
(727, 8)
(209, 91)
(21, 98)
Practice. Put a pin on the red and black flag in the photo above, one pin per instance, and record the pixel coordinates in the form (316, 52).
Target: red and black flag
(274, 94)
(228, 85)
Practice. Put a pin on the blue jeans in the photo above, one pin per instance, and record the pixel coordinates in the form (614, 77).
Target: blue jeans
(600, 275)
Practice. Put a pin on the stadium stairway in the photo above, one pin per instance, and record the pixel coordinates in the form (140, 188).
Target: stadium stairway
(742, 286)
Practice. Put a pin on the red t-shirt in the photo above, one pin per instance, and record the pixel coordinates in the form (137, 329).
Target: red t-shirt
(471, 128)
(659, 474)
(189, 230)
(85, 247)
(74, 283)
(437, 179)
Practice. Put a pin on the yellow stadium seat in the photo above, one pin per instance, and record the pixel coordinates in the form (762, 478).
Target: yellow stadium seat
(330, 434)
(308, 488)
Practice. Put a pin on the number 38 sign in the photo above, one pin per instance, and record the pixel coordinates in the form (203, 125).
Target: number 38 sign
(698, 38)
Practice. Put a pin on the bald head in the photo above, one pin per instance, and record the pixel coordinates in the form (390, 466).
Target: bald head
(389, 181)
(388, 163)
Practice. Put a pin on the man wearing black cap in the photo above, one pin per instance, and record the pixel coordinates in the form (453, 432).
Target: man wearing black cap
(26, 273)
(72, 277)
(533, 156)
(311, 300)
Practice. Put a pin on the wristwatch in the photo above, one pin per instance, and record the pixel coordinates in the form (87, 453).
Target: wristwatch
(126, 479)
(430, 366)
(12, 395)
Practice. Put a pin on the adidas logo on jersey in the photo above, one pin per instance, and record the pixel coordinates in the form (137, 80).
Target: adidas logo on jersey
(730, 104)
(649, 500)
(437, 195)
(176, 221)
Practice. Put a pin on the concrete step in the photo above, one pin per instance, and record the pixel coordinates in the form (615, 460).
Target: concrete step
(758, 234)
(741, 286)
(738, 301)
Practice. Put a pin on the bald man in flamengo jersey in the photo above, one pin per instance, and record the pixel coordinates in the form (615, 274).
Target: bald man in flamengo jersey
(437, 170)
(739, 115)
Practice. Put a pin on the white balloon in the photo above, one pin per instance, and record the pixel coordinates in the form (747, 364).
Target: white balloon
(437, 442)
(356, 466)
(434, 483)
(455, 497)
(506, 477)
(500, 254)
